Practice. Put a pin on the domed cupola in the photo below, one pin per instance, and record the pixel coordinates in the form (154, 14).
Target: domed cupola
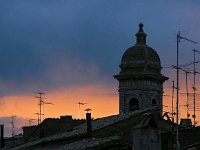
(140, 78)
(140, 58)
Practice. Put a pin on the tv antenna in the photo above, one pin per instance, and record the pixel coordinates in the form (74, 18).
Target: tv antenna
(38, 116)
(79, 108)
(173, 87)
(13, 124)
(187, 93)
(46, 103)
(40, 106)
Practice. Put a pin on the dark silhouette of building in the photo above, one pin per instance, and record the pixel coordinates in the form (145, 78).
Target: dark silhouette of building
(51, 126)
(140, 78)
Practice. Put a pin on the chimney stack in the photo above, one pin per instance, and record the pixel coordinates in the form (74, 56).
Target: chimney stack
(2, 136)
(89, 123)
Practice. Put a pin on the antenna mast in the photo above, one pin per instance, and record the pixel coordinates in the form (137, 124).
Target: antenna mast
(187, 94)
(46, 103)
(38, 118)
(40, 105)
(79, 107)
(13, 125)
(173, 101)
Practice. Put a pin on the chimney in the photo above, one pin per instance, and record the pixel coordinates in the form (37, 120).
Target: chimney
(89, 123)
(2, 136)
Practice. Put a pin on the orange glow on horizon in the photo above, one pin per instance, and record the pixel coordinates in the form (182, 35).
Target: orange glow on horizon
(101, 99)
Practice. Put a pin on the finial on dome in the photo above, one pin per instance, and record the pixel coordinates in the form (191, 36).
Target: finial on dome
(141, 36)
(141, 27)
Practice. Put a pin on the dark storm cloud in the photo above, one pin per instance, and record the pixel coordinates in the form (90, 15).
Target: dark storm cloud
(47, 44)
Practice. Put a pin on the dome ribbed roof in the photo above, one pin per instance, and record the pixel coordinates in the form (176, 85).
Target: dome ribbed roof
(141, 55)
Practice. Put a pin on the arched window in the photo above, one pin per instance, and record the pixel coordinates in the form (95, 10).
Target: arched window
(153, 102)
(133, 104)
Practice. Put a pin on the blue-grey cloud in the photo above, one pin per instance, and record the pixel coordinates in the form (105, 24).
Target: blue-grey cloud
(48, 44)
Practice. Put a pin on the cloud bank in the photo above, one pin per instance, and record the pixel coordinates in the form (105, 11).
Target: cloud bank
(46, 45)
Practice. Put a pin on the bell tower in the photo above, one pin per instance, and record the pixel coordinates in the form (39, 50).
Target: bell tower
(140, 78)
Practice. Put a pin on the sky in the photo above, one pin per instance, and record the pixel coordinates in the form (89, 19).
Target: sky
(70, 50)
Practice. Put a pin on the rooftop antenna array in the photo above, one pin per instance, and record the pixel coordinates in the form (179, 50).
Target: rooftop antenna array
(194, 86)
(187, 93)
(178, 37)
(186, 71)
(193, 100)
(193, 105)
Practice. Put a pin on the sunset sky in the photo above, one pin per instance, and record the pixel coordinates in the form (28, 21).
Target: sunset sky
(70, 50)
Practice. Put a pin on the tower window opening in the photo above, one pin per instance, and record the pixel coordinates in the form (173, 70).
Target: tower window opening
(133, 104)
(154, 103)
